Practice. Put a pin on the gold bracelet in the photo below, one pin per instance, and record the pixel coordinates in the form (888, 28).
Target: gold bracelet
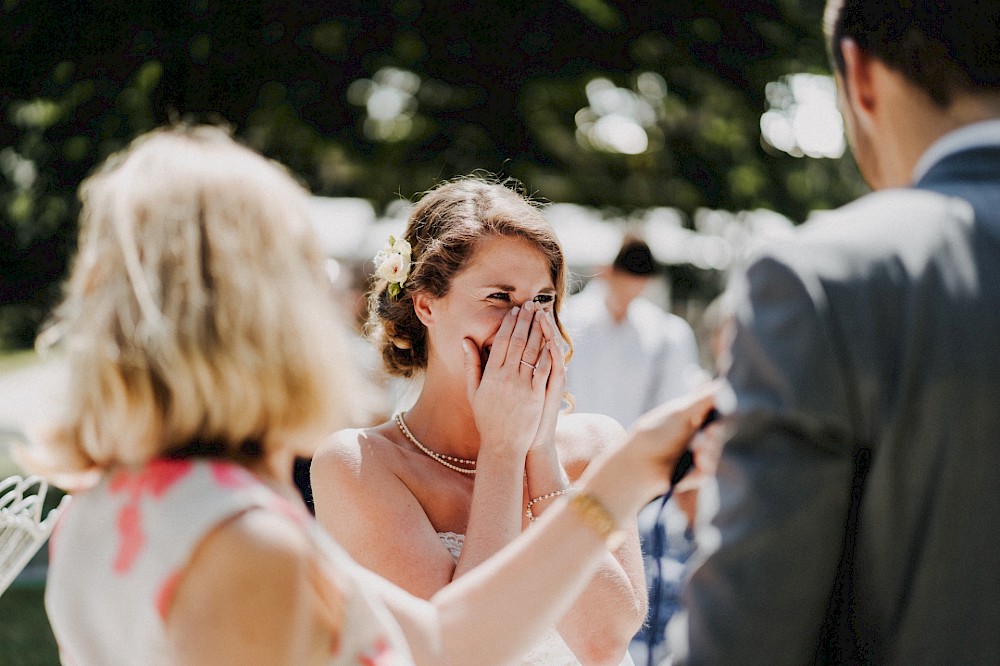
(531, 503)
(599, 519)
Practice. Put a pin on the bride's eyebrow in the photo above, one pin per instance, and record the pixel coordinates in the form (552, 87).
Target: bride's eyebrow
(511, 288)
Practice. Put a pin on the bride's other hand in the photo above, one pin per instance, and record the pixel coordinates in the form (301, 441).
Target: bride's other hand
(552, 360)
(508, 394)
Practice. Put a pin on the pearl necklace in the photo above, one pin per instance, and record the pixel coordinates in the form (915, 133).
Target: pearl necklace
(440, 457)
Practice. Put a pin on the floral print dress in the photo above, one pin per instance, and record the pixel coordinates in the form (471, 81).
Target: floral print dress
(120, 549)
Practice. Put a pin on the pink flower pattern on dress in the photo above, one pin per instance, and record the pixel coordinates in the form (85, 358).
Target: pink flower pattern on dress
(166, 594)
(230, 475)
(379, 654)
(154, 480)
(295, 512)
(226, 475)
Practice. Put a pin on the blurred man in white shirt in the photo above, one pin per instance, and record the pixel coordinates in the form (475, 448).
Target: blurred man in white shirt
(628, 354)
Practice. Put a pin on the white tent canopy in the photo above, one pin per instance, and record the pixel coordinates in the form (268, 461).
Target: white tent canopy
(351, 231)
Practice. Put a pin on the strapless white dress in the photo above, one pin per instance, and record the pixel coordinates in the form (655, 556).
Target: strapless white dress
(551, 650)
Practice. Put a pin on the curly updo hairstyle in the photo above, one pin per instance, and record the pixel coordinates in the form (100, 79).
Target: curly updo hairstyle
(445, 230)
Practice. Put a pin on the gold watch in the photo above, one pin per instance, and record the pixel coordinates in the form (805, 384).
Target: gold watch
(599, 519)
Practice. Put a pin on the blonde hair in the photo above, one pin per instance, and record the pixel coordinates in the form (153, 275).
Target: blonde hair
(445, 230)
(197, 318)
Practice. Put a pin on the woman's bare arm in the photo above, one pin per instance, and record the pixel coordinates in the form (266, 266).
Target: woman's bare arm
(611, 608)
(246, 598)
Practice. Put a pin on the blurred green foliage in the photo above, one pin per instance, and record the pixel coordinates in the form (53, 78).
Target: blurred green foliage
(383, 99)
(25, 636)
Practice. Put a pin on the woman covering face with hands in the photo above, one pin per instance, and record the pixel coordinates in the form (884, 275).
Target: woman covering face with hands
(471, 307)
(195, 379)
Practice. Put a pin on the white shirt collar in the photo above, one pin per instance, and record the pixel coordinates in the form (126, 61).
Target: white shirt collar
(985, 133)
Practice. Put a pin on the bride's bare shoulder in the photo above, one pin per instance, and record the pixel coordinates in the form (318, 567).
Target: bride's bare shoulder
(355, 477)
(351, 449)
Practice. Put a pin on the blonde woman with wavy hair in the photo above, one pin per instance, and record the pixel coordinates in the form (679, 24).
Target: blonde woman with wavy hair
(468, 301)
(205, 353)
(191, 310)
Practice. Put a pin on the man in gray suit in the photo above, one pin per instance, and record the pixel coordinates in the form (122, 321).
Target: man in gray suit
(858, 517)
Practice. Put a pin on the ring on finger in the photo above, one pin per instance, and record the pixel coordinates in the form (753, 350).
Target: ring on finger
(530, 365)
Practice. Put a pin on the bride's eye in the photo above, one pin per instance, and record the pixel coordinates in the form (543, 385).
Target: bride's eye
(545, 299)
(500, 296)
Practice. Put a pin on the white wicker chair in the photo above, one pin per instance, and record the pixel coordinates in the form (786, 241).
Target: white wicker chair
(23, 529)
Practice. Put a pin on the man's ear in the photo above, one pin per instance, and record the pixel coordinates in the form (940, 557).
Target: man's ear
(423, 306)
(859, 85)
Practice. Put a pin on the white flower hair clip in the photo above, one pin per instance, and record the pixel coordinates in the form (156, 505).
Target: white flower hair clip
(392, 264)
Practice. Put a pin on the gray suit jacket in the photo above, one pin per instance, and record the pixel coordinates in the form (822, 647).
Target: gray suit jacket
(858, 518)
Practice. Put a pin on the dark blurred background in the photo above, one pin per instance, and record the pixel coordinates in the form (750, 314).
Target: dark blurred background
(612, 104)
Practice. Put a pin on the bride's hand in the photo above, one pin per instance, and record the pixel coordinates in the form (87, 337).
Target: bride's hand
(556, 385)
(508, 394)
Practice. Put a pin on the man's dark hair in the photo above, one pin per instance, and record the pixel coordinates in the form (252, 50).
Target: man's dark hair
(942, 46)
(635, 258)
